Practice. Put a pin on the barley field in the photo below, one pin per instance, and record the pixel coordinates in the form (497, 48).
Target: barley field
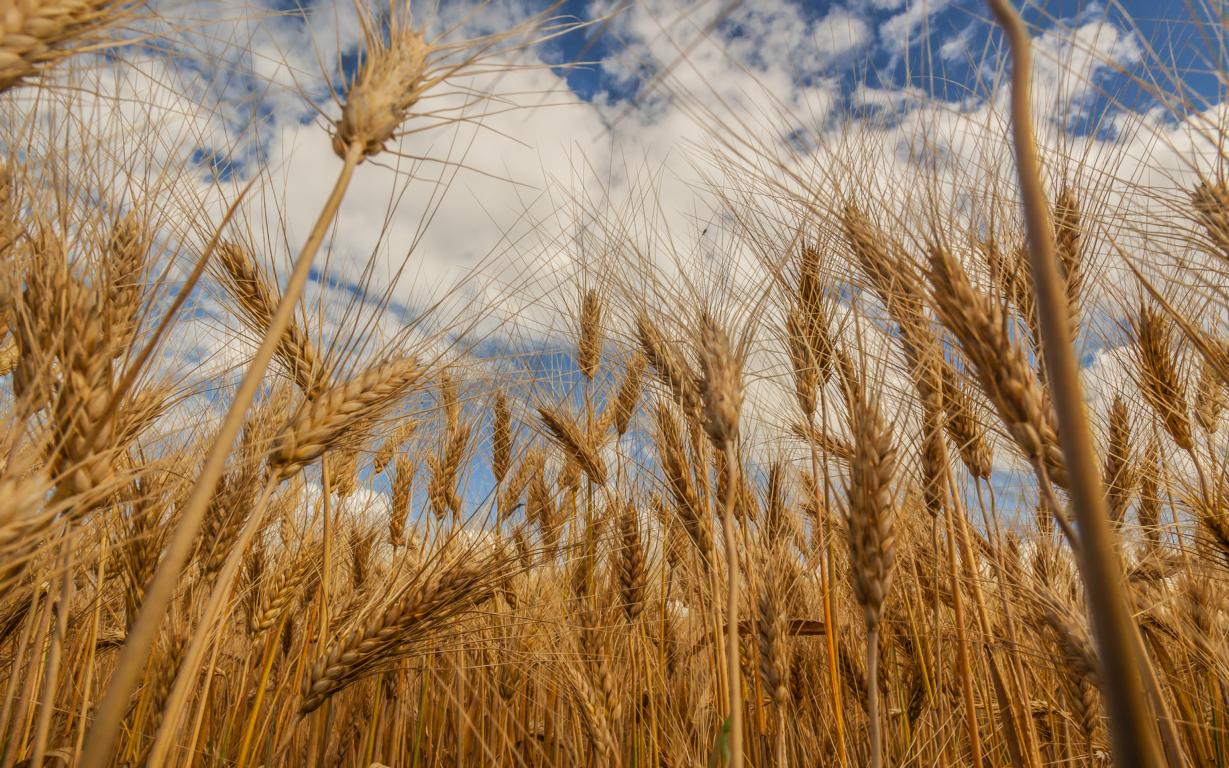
(888, 433)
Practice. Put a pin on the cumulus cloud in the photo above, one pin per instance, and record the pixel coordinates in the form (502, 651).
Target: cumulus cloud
(499, 208)
(956, 47)
(898, 32)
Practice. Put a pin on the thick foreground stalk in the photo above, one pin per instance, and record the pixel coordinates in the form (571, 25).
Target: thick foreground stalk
(1132, 727)
(101, 737)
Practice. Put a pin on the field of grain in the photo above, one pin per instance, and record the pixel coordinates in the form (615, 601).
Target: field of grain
(852, 492)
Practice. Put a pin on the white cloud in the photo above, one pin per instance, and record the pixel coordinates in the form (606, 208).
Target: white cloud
(841, 32)
(957, 47)
(520, 184)
(1069, 63)
(897, 32)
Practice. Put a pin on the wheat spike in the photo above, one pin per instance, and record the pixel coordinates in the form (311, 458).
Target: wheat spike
(1148, 511)
(589, 347)
(1210, 199)
(774, 661)
(833, 446)
(1001, 368)
(628, 396)
(1068, 246)
(671, 368)
(579, 448)
(36, 33)
(445, 469)
(678, 477)
(871, 514)
(390, 79)
(400, 435)
(10, 356)
(435, 596)
(329, 418)
(501, 438)
(721, 384)
(632, 572)
(1119, 470)
(41, 315)
(965, 428)
(258, 301)
(283, 589)
(126, 254)
(814, 308)
(594, 717)
(225, 517)
(81, 459)
(1210, 399)
(1160, 382)
(403, 479)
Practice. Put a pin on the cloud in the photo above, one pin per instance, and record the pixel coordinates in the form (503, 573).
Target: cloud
(840, 32)
(498, 211)
(1069, 64)
(956, 47)
(897, 32)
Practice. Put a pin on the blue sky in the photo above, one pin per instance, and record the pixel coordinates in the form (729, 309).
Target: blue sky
(492, 219)
(943, 48)
(266, 85)
(1165, 25)
(486, 231)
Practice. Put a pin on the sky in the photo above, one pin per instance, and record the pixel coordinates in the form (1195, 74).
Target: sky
(606, 113)
(604, 138)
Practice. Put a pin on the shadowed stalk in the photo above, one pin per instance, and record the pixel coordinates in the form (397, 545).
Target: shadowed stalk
(721, 392)
(825, 580)
(733, 667)
(51, 673)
